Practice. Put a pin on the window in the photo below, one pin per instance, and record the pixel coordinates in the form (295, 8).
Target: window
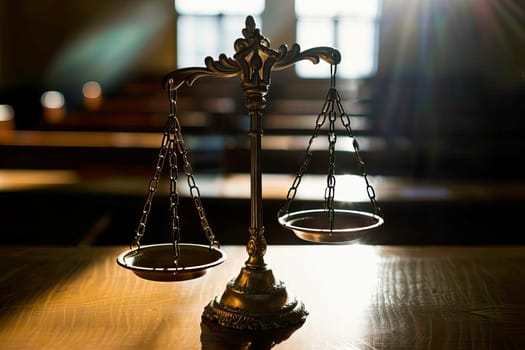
(352, 26)
(210, 27)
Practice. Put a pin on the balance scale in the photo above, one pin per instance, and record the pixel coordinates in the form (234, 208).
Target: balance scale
(254, 300)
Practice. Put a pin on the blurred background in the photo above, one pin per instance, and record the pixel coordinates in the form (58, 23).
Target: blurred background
(436, 90)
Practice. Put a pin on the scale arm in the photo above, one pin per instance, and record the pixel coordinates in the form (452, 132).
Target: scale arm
(253, 57)
(225, 67)
(288, 58)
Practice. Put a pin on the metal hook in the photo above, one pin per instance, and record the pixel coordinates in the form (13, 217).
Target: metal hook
(172, 97)
(333, 71)
(214, 243)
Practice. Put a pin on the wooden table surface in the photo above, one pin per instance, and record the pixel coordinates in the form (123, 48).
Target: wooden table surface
(359, 297)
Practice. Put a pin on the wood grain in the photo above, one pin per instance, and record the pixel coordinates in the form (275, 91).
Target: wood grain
(359, 297)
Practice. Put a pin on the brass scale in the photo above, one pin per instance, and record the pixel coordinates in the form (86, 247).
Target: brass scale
(254, 300)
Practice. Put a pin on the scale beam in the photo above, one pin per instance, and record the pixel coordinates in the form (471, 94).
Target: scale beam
(253, 46)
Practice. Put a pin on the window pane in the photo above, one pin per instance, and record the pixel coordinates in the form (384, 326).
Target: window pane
(197, 38)
(316, 8)
(232, 30)
(359, 8)
(210, 27)
(349, 25)
(214, 7)
(358, 48)
(312, 33)
(332, 8)
(202, 36)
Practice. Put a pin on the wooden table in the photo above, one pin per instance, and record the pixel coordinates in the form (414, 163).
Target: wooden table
(359, 297)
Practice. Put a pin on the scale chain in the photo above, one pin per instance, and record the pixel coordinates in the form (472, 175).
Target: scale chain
(329, 112)
(152, 187)
(292, 191)
(194, 190)
(345, 119)
(332, 139)
(173, 195)
(172, 142)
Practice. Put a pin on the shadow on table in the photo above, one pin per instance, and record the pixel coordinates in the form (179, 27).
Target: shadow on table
(28, 273)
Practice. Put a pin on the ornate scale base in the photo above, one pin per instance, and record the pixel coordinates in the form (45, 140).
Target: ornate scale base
(255, 301)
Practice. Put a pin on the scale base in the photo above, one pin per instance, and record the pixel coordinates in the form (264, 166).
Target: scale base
(255, 301)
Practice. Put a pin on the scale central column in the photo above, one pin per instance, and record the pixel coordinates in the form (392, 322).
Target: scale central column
(255, 299)
(256, 246)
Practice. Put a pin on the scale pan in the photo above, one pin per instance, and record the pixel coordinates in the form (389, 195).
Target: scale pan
(312, 225)
(155, 262)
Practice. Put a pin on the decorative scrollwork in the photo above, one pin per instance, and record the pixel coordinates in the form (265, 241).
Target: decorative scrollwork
(253, 61)
(288, 58)
(256, 245)
(290, 314)
(225, 67)
(256, 59)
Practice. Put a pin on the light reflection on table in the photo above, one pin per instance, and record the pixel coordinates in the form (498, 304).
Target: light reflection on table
(361, 297)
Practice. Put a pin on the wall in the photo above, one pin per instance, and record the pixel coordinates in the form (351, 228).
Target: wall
(450, 83)
(36, 34)
(461, 37)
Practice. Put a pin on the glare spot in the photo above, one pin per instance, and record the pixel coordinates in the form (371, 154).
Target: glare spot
(52, 100)
(6, 113)
(91, 89)
(426, 192)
